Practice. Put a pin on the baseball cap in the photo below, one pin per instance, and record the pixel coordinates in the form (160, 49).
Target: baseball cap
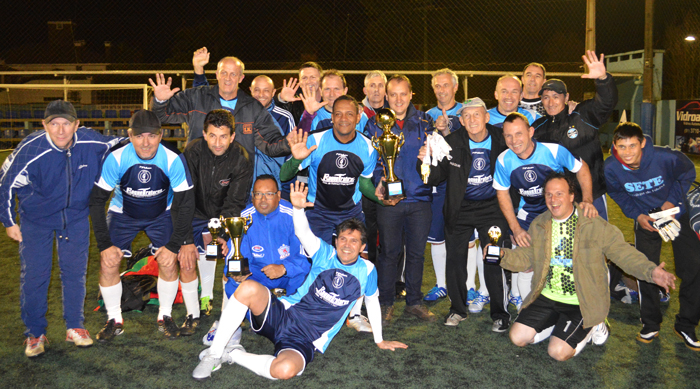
(471, 103)
(60, 108)
(144, 121)
(554, 85)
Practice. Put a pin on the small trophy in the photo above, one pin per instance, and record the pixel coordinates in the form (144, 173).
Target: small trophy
(493, 252)
(214, 247)
(388, 145)
(236, 227)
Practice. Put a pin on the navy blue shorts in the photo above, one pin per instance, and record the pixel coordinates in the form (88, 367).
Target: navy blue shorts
(323, 222)
(123, 229)
(270, 323)
(437, 225)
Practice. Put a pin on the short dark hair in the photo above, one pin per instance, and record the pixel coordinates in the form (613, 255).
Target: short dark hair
(347, 98)
(311, 64)
(399, 77)
(353, 224)
(334, 72)
(566, 177)
(628, 130)
(220, 118)
(516, 115)
(537, 64)
(267, 177)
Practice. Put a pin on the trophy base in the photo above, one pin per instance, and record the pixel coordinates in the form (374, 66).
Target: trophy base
(493, 255)
(237, 267)
(394, 190)
(213, 252)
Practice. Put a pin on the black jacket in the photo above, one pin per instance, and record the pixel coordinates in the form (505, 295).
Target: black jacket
(578, 132)
(221, 183)
(255, 127)
(456, 171)
(295, 107)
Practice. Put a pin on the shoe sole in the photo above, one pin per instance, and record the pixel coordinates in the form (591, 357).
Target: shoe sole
(78, 345)
(103, 340)
(646, 340)
(684, 342)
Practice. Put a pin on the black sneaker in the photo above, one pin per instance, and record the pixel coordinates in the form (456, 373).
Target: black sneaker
(689, 338)
(168, 327)
(189, 326)
(500, 325)
(646, 335)
(110, 330)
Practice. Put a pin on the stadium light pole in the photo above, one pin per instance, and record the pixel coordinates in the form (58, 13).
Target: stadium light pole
(647, 120)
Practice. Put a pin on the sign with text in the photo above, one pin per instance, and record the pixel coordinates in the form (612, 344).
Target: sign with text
(688, 126)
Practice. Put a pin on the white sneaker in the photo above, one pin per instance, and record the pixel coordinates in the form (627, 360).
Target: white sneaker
(234, 341)
(209, 364)
(600, 334)
(79, 336)
(359, 323)
(478, 304)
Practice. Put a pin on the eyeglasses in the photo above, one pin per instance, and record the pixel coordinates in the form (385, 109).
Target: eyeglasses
(259, 195)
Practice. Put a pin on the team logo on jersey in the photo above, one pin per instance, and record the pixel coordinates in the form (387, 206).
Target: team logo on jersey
(284, 251)
(144, 176)
(530, 175)
(572, 133)
(258, 248)
(225, 182)
(479, 164)
(342, 161)
(247, 128)
(339, 280)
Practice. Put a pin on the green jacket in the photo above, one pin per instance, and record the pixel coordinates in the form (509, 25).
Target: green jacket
(595, 239)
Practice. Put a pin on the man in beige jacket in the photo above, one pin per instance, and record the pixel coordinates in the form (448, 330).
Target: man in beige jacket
(570, 297)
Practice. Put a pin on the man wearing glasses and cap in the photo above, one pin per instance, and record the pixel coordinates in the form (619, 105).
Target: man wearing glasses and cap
(51, 173)
(151, 183)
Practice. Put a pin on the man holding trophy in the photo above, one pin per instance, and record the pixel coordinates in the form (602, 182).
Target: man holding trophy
(222, 172)
(406, 198)
(470, 204)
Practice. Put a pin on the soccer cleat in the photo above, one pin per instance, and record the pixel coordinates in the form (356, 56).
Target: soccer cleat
(79, 336)
(689, 338)
(453, 319)
(35, 346)
(110, 330)
(472, 295)
(205, 306)
(517, 301)
(359, 323)
(647, 336)
(436, 293)
(478, 304)
(168, 327)
(209, 364)
(664, 296)
(189, 326)
(600, 333)
(500, 325)
(420, 311)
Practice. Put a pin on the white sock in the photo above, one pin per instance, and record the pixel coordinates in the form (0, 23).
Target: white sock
(207, 275)
(189, 295)
(112, 297)
(357, 308)
(231, 319)
(480, 266)
(439, 255)
(524, 281)
(542, 335)
(258, 364)
(167, 291)
(514, 284)
(224, 299)
(471, 268)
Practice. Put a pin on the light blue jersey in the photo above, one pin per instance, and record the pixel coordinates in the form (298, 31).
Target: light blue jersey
(328, 294)
(335, 169)
(496, 118)
(143, 189)
(528, 176)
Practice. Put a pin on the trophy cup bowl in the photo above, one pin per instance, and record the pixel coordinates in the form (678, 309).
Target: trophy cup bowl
(388, 146)
(236, 227)
(493, 252)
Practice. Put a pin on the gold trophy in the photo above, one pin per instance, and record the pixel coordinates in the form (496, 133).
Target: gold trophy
(388, 145)
(213, 249)
(493, 252)
(236, 227)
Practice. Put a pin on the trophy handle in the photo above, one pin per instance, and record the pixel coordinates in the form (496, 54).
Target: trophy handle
(400, 143)
(249, 222)
(223, 224)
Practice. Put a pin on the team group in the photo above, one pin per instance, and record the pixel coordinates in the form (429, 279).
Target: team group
(302, 165)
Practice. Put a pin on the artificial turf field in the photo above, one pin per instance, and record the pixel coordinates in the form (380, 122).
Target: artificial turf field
(438, 357)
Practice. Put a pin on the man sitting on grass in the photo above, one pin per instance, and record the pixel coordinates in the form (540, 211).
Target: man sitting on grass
(570, 297)
(308, 320)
